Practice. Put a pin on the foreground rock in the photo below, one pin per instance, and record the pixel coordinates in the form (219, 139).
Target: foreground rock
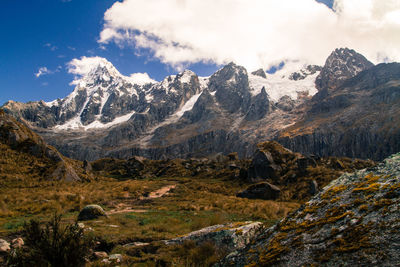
(91, 212)
(352, 221)
(265, 191)
(230, 236)
(4, 246)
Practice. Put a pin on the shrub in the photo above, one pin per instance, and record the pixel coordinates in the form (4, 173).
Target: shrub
(52, 244)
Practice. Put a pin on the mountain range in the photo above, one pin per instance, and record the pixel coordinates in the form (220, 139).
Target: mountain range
(348, 107)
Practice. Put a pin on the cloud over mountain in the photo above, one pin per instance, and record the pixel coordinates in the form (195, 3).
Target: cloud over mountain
(253, 33)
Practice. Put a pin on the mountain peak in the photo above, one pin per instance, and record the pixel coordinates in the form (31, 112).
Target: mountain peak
(342, 64)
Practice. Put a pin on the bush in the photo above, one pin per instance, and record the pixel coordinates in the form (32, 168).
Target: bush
(52, 244)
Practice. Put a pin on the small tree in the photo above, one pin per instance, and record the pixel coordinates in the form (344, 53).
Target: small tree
(52, 244)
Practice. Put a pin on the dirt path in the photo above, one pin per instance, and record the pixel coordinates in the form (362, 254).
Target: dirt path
(160, 192)
(124, 208)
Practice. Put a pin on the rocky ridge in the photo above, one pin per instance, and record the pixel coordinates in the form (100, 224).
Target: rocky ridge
(24, 153)
(359, 118)
(353, 220)
(309, 109)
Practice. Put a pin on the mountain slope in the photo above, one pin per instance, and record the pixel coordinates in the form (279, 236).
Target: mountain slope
(182, 116)
(25, 156)
(360, 118)
(342, 109)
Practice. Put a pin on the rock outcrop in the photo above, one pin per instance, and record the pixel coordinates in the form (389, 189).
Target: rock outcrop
(265, 191)
(352, 221)
(229, 236)
(282, 174)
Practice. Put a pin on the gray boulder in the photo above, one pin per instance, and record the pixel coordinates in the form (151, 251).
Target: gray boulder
(91, 212)
(263, 167)
(230, 236)
(264, 190)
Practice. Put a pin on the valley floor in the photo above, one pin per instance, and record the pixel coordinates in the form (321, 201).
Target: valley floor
(148, 210)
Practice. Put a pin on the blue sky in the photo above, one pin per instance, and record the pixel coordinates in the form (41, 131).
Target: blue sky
(50, 33)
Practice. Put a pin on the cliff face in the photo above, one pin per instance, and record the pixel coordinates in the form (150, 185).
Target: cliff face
(352, 221)
(360, 118)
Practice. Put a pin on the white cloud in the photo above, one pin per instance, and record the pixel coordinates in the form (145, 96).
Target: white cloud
(141, 78)
(254, 33)
(43, 71)
(84, 65)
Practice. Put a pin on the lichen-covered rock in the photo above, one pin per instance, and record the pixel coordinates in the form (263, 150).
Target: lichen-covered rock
(91, 212)
(265, 191)
(230, 236)
(352, 221)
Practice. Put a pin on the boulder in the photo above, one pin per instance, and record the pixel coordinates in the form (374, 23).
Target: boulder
(304, 163)
(264, 190)
(4, 246)
(91, 212)
(17, 243)
(134, 165)
(230, 236)
(263, 167)
(115, 258)
(100, 254)
(313, 187)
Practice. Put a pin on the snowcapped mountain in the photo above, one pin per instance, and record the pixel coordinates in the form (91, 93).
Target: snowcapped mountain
(183, 115)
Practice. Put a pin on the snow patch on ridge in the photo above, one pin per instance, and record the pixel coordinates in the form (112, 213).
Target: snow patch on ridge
(279, 84)
(76, 124)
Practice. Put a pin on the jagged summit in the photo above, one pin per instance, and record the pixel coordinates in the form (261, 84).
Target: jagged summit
(186, 115)
(342, 64)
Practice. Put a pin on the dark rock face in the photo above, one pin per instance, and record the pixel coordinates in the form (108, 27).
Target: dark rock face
(263, 167)
(341, 65)
(286, 104)
(302, 74)
(357, 119)
(259, 106)
(265, 191)
(232, 88)
(260, 72)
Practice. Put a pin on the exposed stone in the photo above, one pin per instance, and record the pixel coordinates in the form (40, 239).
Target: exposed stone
(230, 236)
(350, 222)
(260, 72)
(264, 190)
(263, 167)
(91, 212)
(4, 246)
(17, 243)
(341, 65)
(313, 187)
(100, 254)
(115, 258)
